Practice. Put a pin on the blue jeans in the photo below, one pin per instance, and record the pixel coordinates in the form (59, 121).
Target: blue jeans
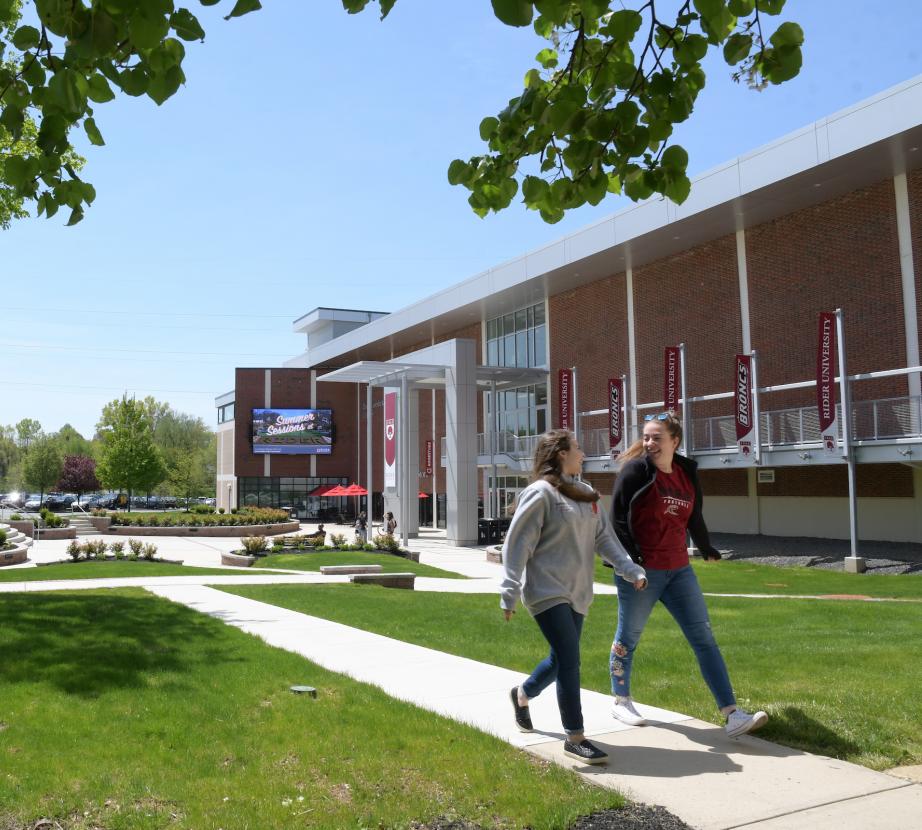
(679, 591)
(561, 627)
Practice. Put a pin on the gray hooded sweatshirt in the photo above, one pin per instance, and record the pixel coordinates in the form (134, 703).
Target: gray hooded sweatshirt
(553, 540)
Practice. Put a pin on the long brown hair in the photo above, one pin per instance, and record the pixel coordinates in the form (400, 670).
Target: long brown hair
(547, 465)
(670, 423)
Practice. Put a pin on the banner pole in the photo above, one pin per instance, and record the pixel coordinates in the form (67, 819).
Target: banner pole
(686, 442)
(368, 459)
(853, 563)
(756, 417)
(575, 399)
(625, 392)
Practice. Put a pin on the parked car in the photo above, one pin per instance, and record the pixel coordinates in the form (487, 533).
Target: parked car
(33, 504)
(13, 499)
(58, 501)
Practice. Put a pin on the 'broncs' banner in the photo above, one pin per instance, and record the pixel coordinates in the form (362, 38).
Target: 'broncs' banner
(615, 416)
(390, 438)
(671, 378)
(742, 396)
(565, 398)
(826, 380)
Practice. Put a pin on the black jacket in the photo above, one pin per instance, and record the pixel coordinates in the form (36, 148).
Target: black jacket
(634, 479)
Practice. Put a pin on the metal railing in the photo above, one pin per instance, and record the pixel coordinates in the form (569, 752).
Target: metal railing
(885, 419)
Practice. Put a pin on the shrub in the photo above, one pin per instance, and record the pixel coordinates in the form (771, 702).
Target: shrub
(385, 541)
(204, 509)
(135, 546)
(2, 538)
(221, 510)
(118, 549)
(95, 549)
(74, 549)
(233, 510)
(16, 517)
(368, 546)
(337, 540)
(254, 545)
(149, 551)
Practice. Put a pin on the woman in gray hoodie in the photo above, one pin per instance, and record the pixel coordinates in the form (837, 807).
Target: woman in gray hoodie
(553, 537)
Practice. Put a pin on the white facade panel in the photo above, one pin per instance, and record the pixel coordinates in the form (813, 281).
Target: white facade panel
(591, 240)
(796, 153)
(546, 259)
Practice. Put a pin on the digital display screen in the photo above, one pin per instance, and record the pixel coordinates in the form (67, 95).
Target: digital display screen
(293, 431)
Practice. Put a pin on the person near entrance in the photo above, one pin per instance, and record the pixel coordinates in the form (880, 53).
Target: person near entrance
(656, 505)
(361, 527)
(390, 523)
(555, 531)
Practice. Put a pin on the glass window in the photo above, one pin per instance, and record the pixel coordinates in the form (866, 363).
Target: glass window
(509, 324)
(540, 395)
(542, 421)
(521, 357)
(539, 315)
(531, 317)
(521, 320)
(540, 348)
(491, 329)
(492, 353)
(509, 359)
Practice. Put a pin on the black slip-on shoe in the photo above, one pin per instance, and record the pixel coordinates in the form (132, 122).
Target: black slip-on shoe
(585, 751)
(522, 715)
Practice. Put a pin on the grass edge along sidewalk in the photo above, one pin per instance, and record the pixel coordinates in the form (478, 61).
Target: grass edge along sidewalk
(800, 660)
(152, 714)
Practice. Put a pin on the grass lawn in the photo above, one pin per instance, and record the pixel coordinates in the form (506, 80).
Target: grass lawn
(124, 711)
(104, 570)
(741, 577)
(389, 563)
(838, 678)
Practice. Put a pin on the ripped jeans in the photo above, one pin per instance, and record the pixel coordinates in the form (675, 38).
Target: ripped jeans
(679, 591)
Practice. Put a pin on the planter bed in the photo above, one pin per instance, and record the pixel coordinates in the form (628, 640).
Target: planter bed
(56, 533)
(212, 530)
(240, 560)
(22, 525)
(13, 556)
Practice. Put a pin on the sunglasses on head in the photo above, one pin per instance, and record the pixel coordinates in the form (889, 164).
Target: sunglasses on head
(663, 416)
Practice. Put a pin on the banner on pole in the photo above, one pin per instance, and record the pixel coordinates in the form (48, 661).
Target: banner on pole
(671, 378)
(390, 438)
(429, 454)
(565, 398)
(825, 381)
(615, 416)
(742, 397)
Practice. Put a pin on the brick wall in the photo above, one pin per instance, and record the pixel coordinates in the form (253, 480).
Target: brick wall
(588, 329)
(842, 253)
(872, 481)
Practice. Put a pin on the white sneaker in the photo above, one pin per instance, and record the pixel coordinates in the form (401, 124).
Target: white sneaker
(739, 722)
(624, 710)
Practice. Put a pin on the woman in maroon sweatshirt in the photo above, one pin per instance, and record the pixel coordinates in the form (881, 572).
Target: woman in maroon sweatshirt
(656, 505)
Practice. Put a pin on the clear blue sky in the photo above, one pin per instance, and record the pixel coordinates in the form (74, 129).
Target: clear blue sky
(303, 164)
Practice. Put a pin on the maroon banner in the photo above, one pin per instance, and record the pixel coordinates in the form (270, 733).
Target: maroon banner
(671, 378)
(565, 398)
(429, 453)
(390, 438)
(615, 414)
(825, 379)
(742, 396)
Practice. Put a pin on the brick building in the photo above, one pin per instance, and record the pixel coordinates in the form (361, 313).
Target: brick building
(829, 217)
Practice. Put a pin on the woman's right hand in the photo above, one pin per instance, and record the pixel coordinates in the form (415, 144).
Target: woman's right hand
(640, 584)
(507, 613)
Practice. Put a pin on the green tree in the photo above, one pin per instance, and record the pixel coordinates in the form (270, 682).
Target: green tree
(186, 444)
(9, 456)
(42, 465)
(130, 460)
(71, 442)
(28, 430)
(595, 116)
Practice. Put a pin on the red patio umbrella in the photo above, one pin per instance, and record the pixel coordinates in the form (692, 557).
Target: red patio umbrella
(338, 490)
(354, 490)
(422, 495)
(323, 489)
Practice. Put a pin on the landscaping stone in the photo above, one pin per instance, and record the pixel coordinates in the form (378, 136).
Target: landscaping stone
(215, 530)
(387, 580)
(239, 560)
(350, 569)
(495, 554)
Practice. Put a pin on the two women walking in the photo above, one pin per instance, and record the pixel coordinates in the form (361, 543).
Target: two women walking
(556, 530)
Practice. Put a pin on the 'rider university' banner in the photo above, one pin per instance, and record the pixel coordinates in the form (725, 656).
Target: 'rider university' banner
(565, 398)
(615, 415)
(742, 397)
(390, 438)
(671, 378)
(430, 451)
(825, 380)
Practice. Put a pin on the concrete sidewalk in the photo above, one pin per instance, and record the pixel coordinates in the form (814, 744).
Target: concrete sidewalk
(688, 766)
